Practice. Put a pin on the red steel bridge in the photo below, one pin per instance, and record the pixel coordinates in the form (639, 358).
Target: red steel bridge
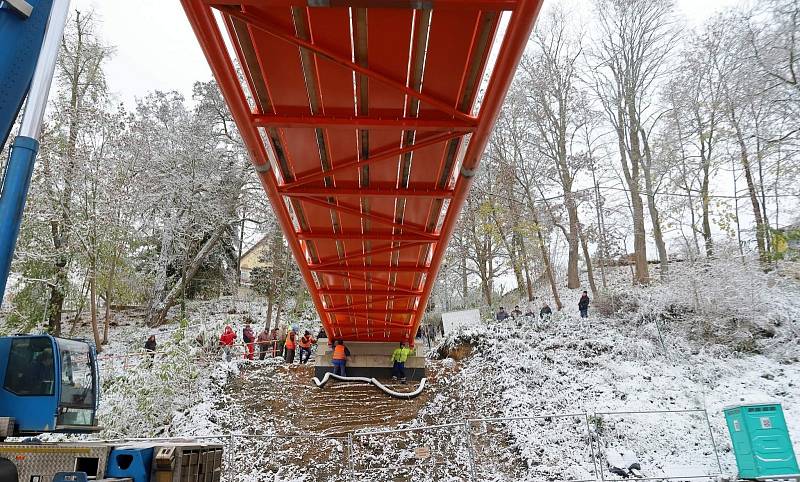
(365, 121)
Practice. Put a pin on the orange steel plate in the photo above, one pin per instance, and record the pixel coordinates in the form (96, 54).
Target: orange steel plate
(365, 121)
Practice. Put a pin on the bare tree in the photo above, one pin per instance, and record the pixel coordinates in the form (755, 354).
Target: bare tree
(635, 38)
(551, 75)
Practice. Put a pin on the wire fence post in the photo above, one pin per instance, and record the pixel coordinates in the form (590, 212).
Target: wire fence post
(231, 448)
(591, 446)
(470, 451)
(351, 469)
(600, 468)
(713, 442)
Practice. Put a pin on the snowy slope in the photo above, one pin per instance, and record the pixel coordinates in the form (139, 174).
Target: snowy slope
(687, 345)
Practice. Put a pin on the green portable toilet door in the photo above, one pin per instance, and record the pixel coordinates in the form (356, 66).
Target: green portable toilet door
(771, 444)
(745, 461)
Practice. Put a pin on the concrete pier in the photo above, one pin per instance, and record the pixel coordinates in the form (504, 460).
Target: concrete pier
(370, 359)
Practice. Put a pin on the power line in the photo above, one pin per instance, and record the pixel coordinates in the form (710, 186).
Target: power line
(627, 190)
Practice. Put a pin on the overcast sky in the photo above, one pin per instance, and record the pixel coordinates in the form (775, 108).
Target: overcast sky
(156, 48)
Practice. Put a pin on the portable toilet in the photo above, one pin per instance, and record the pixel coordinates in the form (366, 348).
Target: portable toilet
(761, 442)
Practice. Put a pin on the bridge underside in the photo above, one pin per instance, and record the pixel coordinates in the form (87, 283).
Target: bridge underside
(365, 121)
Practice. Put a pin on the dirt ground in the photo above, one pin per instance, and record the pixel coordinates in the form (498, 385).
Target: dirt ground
(271, 397)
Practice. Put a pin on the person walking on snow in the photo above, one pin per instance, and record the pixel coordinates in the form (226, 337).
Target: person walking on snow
(305, 346)
(263, 344)
(399, 357)
(226, 340)
(339, 358)
(289, 347)
(249, 339)
(150, 348)
(583, 305)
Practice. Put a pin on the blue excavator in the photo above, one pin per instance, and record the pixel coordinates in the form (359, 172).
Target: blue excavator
(50, 384)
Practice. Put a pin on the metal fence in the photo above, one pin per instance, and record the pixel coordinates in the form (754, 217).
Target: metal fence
(570, 447)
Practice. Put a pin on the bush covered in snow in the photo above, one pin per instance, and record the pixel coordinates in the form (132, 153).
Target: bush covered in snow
(725, 300)
(144, 397)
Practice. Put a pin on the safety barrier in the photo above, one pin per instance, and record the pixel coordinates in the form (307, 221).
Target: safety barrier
(568, 447)
(204, 355)
(680, 455)
(560, 446)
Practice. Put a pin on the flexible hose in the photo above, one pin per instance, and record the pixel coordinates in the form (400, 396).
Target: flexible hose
(373, 381)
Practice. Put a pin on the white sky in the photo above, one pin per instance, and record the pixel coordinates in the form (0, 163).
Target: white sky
(156, 48)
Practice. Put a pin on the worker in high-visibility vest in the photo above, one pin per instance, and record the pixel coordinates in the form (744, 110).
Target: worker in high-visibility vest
(339, 358)
(399, 357)
(305, 346)
(289, 347)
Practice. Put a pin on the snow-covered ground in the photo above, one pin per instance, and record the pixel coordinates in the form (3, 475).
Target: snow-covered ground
(553, 386)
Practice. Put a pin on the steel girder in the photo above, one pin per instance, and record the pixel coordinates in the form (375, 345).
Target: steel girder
(365, 121)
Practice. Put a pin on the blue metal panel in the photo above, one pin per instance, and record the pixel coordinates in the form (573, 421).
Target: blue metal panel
(133, 462)
(12, 200)
(21, 41)
(34, 414)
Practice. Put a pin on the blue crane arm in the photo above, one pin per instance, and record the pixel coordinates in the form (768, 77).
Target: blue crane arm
(23, 30)
(21, 35)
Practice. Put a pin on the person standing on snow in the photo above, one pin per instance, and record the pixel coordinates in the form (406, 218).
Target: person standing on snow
(339, 358)
(583, 305)
(545, 312)
(399, 357)
(273, 337)
(502, 314)
(281, 340)
(263, 344)
(249, 339)
(289, 347)
(516, 312)
(305, 347)
(226, 340)
(150, 348)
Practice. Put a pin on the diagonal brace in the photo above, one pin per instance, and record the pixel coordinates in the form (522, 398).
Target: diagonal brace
(276, 31)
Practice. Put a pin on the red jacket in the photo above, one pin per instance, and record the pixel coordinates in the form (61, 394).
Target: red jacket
(227, 336)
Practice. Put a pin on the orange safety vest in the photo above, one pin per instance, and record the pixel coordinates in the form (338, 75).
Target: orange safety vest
(339, 353)
(289, 342)
(306, 343)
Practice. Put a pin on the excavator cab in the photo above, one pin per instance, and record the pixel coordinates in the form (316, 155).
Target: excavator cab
(49, 384)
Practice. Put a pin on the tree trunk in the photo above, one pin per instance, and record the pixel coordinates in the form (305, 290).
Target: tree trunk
(661, 247)
(573, 275)
(600, 225)
(526, 267)
(171, 297)
(84, 293)
(270, 302)
(462, 264)
(57, 295)
(239, 259)
(93, 305)
(510, 247)
(588, 258)
(546, 260)
(751, 189)
(278, 310)
(642, 275)
(709, 243)
(109, 293)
